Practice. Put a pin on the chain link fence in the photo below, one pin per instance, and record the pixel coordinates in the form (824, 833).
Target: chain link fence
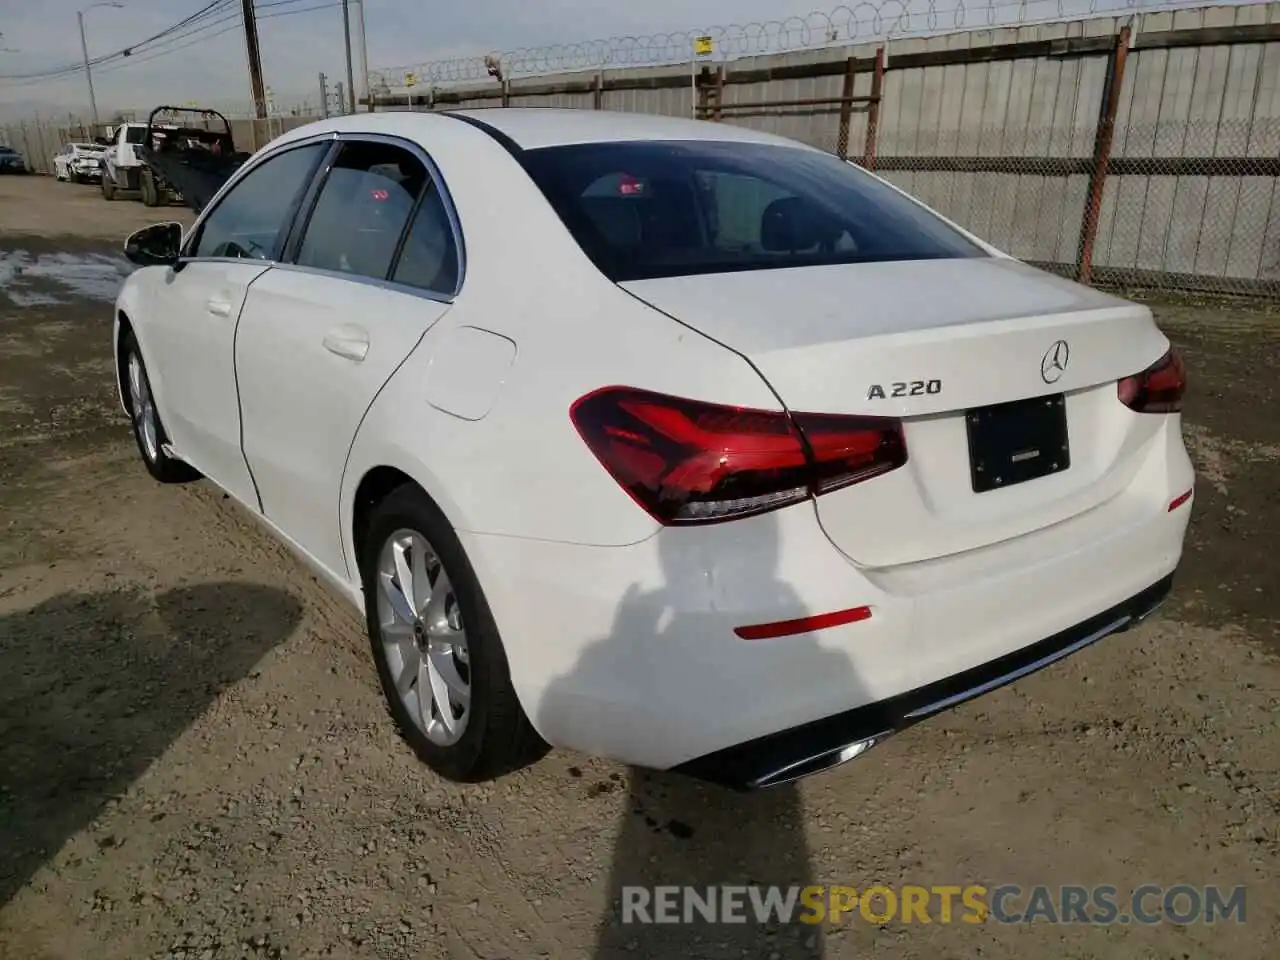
(1178, 205)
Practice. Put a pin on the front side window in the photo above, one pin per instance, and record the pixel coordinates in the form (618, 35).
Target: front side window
(253, 218)
(363, 207)
(666, 209)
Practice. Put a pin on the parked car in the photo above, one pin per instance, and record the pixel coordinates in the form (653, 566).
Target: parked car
(78, 162)
(668, 441)
(11, 161)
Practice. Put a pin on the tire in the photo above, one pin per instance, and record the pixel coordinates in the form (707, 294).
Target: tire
(492, 736)
(147, 185)
(108, 186)
(148, 430)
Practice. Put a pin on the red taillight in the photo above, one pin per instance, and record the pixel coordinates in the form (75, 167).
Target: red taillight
(1157, 389)
(685, 461)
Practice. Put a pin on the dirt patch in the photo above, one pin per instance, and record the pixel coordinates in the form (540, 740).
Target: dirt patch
(195, 761)
(79, 217)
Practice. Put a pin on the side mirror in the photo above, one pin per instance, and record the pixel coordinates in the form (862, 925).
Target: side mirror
(155, 246)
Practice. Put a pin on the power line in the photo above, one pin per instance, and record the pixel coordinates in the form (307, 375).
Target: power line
(204, 13)
(197, 31)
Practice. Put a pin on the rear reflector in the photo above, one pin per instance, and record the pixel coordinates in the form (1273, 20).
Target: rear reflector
(1179, 500)
(787, 628)
(686, 461)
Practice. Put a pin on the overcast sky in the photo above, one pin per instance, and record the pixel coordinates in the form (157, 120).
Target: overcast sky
(300, 38)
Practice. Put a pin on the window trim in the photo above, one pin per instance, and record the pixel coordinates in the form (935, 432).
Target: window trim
(302, 220)
(192, 237)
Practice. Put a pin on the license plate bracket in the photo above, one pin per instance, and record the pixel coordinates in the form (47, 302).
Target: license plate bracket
(1011, 443)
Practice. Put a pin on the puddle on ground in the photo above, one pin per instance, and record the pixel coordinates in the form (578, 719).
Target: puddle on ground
(46, 279)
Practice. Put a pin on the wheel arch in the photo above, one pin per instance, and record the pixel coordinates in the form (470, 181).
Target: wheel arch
(370, 485)
(124, 327)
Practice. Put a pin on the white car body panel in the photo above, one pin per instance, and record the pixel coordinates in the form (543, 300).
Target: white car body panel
(304, 401)
(190, 327)
(619, 631)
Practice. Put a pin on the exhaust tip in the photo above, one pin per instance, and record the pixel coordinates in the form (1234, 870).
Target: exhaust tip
(820, 762)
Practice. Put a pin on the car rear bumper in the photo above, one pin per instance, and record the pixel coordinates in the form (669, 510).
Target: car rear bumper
(810, 748)
(631, 652)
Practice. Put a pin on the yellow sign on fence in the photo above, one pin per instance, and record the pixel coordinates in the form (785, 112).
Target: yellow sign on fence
(703, 46)
(410, 79)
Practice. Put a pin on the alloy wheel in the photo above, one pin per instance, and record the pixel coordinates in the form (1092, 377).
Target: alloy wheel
(143, 408)
(423, 638)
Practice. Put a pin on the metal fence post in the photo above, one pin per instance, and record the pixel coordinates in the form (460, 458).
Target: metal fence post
(597, 90)
(873, 112)
(1102, 153)
(846, 110)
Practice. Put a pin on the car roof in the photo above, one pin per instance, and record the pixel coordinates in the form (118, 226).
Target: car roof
(535, 127)
(531, 128)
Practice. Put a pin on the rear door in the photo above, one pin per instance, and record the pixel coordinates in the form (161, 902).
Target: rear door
(375, 267)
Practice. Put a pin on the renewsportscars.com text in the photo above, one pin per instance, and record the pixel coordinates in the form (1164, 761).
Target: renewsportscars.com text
(971, 903)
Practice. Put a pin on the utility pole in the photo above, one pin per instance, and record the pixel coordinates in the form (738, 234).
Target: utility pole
(346, 38)
(255, 59)
(88, 74)
(84, 51)
(364, 61)
(324, 97)
(340, 97)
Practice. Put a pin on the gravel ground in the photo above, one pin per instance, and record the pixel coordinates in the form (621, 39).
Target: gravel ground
(195, 761)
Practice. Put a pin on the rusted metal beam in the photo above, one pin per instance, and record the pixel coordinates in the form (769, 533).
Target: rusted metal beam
(803, 102)
(1102, 153)
(873, 114)
(1235, 166)
(846, 109)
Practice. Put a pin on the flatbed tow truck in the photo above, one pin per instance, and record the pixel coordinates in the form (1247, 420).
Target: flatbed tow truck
(165, 160)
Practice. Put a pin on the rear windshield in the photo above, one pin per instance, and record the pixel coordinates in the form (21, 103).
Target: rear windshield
(674, 208)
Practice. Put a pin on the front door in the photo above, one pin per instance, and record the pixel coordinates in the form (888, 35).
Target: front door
(199, 304)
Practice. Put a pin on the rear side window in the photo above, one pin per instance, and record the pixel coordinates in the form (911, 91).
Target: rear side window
(665, 209)
(363, 207)
(429, 259)
(135, 134)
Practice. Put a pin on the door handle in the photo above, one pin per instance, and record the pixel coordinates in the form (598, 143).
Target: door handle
(348, 341)
(219, 308)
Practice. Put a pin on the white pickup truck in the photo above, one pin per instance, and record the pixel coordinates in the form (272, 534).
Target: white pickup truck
(122, 168)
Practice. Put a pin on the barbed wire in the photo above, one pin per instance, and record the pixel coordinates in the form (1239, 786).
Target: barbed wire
(858, 22)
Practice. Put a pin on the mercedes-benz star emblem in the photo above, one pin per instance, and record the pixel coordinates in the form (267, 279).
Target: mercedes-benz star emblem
(1054, 364)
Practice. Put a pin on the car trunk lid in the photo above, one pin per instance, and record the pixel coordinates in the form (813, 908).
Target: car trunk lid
(936, 343)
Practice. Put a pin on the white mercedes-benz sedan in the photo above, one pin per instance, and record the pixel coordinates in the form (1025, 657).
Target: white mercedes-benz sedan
(666, 441)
